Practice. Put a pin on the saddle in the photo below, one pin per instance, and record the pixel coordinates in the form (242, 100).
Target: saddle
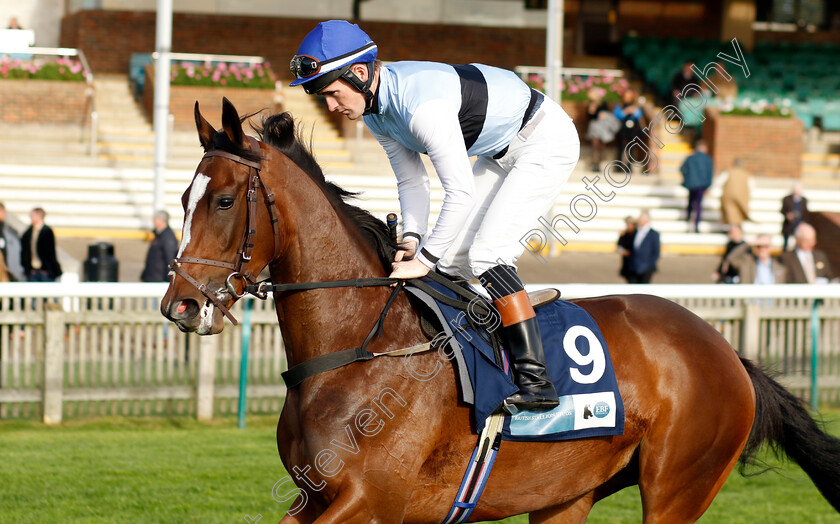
(429, 319)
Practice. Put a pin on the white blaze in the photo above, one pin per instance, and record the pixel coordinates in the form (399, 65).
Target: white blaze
(205, 324)
(199, 186)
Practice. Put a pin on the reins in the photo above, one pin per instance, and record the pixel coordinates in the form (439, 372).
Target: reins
(261, 289)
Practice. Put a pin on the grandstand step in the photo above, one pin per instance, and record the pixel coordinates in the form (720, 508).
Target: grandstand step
(122, 122)
(140, 151)
(145, 131)
(677, 147)
(821, 170)
(116, 189)
(811, 159)
(114, 109)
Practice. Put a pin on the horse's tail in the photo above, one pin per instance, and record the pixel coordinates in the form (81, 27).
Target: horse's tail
(782, 421)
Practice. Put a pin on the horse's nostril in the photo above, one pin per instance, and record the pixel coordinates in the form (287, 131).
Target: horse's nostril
(185, 309)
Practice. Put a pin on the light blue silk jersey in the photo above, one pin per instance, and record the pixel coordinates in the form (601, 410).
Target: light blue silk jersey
(405, 86)
(450, 113)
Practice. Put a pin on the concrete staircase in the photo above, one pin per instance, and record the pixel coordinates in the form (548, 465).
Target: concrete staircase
(110, 194)
(124, 132)
(126, 136)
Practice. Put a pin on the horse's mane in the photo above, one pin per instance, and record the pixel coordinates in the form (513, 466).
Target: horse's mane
(279, 132)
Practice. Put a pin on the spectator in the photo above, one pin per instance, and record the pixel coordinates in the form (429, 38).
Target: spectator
(162, 250)
(645, 252)
(602, 126)
(727, 89)
(683, 78)
(756, 266)
(804, 264)
(40, 262)
(625, 246)
(735, 196)
(4, 273)
(726, 272)
(795, 210)
(692, 109)
(697, 177)
(629, 114)
(10, 248)
(14, 24)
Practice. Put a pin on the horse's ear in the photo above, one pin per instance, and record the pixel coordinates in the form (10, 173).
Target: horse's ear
(231, 123)
(205, 130)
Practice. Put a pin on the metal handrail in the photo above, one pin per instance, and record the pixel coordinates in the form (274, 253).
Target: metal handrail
(66, 51)
(51, 51)
(94, 116)
(570, 71)
(200, 57)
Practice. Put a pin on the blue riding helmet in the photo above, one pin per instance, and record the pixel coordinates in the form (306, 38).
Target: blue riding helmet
(328, 52)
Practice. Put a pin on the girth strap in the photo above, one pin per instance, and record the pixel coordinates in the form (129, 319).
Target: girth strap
(297, 374)
(316, 365)
(478, 469)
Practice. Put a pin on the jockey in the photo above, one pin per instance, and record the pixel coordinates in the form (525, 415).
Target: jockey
(526, 148)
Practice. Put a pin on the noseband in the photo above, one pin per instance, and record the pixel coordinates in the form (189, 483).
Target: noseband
(254, 186)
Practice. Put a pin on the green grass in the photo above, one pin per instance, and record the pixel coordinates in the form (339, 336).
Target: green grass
(178, 470)
(139, 470)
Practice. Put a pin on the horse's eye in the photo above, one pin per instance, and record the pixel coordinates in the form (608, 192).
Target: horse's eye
(225, 203)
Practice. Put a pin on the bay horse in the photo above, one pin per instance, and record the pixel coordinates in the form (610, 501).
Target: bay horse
(369, 442)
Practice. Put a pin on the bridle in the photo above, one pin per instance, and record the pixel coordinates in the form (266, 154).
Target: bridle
(316, 365)
(255, 184)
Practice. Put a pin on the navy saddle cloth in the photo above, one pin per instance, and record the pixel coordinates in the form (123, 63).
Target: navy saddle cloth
(577, 361)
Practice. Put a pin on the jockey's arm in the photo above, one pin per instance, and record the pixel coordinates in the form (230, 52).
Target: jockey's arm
(435, 124)
(413, 189)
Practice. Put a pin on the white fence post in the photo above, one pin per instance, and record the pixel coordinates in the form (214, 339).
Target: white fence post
(205, 392)
(53, 363)
(750, 330)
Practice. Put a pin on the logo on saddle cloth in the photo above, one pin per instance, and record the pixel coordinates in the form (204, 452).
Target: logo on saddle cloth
(575, 412)
(577, 361)
(602, 409)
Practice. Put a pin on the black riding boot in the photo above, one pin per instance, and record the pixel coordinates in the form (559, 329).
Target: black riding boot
(522, 336)
(536, 390)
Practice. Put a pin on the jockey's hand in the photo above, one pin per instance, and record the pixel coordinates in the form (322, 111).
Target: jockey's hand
(406, 251)
(409, 269)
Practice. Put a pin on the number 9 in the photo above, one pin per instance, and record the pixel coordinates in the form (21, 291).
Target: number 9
(595, 356)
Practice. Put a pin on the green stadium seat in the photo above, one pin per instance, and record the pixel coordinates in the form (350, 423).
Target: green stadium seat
(831, 121)
(803, 113)
(817, 106)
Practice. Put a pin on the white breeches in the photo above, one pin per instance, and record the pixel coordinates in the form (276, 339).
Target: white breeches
(512, 193)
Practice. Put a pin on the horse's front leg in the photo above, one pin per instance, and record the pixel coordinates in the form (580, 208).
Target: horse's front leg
(305, 515)
(355, 507)
(367, 504)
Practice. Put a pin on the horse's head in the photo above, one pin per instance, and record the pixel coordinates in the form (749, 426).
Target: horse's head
(225, 207)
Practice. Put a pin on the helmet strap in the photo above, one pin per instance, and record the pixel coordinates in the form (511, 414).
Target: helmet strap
(362, 87)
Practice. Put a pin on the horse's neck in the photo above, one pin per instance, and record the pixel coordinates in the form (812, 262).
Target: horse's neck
(323, 321)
